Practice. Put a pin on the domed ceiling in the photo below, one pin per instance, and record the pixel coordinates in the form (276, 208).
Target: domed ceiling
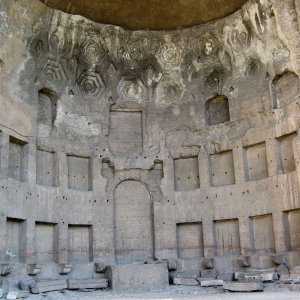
(149, 14)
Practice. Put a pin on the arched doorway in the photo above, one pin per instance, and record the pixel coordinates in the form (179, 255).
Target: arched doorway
(133, 222)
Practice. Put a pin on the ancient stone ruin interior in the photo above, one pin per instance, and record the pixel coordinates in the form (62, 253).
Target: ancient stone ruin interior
(142, 153)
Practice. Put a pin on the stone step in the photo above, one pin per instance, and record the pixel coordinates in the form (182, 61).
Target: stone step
(97, 283)
(17, 295)
(48, 286)
(210, 282)
(185, 281)
(243, 286)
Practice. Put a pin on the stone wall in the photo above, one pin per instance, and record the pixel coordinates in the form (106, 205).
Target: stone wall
(194, 132)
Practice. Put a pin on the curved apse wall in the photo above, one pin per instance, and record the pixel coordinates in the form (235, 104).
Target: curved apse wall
(205, 119)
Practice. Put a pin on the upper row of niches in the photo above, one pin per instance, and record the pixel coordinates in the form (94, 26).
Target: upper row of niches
(222, 165)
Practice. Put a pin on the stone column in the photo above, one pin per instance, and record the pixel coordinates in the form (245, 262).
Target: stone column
(245, 236)
(62, 169)
(4, 152)
(27, 242)
(2, 236)
(63, 255)
(204, 170)
(279, 235)
(208, 238)
(239, 162)
(30, 173)
(272, 156)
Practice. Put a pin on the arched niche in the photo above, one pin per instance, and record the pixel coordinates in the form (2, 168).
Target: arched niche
(217, 110)
(47, 107)
(285, 87)
(133, 220)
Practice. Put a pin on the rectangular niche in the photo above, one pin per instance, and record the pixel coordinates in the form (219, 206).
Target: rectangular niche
(262, 234)
(46, 168)
(222, 168)
(256, 161)
(286, 153)
(125, 133)
(79, 173)
(15, 238)
(46, 240)
(217, 110)
(227, 237)
(18, 160)
(292, 229)
(80, 243)
(190, 240)
(186, 174)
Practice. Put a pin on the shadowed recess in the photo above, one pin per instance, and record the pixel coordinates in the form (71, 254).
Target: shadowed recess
(149, 14)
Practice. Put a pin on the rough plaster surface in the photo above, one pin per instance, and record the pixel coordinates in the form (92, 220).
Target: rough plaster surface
(216, 106)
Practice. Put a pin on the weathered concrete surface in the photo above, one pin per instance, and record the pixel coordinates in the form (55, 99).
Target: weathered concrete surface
(138, 277)
(211, 166)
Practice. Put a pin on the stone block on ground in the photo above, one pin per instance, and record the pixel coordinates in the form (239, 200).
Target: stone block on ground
(225, 276)
(243, 286)
(252, 275)
(185, 281)
(210, 282)
(17, 295)
(138, 277)
(48, 286)
(212, 274)
(27, 284)
(95, 283)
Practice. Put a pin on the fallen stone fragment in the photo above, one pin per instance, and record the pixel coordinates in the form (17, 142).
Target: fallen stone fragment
(98, 283)
(48, 286)
(17, 295)
(210, 282)
(243, 286)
